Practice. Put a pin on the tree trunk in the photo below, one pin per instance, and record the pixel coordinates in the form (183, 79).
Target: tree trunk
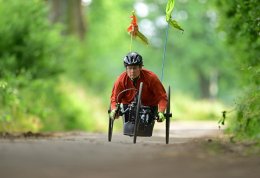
(69, 13)
(58, 11)
(204, 85)
(213, 85)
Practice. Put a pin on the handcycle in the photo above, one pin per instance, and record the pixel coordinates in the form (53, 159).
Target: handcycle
(139, 119)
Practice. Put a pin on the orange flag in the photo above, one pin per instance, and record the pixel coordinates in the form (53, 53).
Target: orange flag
(133, 29)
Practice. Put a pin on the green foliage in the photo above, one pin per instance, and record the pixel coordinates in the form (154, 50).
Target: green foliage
(107, 42)
(197, 109)
(249, 115)
(29, 54)
(240, 20)
(54, 82)
(28, 43)
(199, 52)
(33, 55)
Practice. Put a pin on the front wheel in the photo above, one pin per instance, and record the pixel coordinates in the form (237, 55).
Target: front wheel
(168, 115)
(137, 115)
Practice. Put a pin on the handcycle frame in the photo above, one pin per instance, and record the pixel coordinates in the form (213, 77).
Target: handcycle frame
(137, 115)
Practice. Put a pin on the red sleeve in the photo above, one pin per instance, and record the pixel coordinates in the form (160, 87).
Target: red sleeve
(160, 94)
(117, 88)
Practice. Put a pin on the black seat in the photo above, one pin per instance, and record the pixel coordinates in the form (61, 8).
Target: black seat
(147, 119)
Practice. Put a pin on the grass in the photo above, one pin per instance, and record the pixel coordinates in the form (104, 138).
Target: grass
(91, 111)
(77, 107)
(185, 107)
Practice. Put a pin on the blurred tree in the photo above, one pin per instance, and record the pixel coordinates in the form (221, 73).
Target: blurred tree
(199, 52)
(69, 13)
(31, 60)
(240, 21)
(28, 42)
(106, 42)
(32, 53)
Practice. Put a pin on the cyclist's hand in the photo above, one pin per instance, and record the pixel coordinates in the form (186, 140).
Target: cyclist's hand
(161, 117)
(112, 114)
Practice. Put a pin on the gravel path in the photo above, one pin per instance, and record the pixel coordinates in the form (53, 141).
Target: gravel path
(196, 150)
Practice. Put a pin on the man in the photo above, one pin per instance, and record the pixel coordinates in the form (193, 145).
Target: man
(153, 92)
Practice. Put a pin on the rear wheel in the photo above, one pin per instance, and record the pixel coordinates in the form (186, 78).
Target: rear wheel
(168, 115)
(110, 129)
(110, 126)
(137, 115)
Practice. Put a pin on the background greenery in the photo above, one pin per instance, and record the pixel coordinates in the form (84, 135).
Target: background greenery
(57, 69)
(240, 20)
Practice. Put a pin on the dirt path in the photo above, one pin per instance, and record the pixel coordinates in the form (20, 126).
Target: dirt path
(192, 153)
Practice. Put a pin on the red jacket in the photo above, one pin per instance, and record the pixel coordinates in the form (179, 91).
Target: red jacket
(153, 93)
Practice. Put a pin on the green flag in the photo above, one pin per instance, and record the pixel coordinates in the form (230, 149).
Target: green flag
(174, 24)
(168, 10)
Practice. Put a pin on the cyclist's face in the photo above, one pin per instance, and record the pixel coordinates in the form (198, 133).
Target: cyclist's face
(133, 71)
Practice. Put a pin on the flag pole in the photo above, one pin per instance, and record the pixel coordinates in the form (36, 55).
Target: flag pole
(164, 51)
